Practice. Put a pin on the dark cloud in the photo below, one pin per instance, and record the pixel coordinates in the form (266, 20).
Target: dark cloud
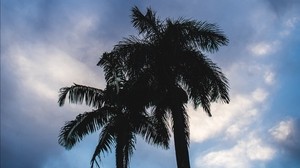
(292, 145)
(283, 6)
(27, 138)
(288, 150)
(30, 123)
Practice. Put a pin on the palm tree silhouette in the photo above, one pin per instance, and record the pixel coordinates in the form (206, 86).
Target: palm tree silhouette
(113, 114)
(166, 67)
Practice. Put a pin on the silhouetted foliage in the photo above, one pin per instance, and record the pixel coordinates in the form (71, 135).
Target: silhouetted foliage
(166, 66)
(119, 124)
(150, 79)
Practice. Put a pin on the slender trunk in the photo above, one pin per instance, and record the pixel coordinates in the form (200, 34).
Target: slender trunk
(120, 148)
(119, 154)
(180, 137)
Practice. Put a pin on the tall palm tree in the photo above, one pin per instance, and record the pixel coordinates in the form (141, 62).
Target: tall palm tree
(167, 67)
(119, 123)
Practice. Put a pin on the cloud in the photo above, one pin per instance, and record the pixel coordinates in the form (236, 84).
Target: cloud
(282, 130)
(261, 49)
(224, 116)
(269, 77)
(280, 7)
(35, 63)
(289, 25)
(248, 101)
(259, 95)
(286, 134)
(30, 116)
(250, 78)
(234, 118)
(246, 153)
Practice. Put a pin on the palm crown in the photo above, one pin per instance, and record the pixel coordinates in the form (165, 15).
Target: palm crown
(150, 78)
(118, 122)
(167, 67)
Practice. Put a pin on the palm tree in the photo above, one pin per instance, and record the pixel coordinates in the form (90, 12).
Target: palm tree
(118, 122)
(167, 67)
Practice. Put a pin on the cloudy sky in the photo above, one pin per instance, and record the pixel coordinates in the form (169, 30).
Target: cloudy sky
(49, 44)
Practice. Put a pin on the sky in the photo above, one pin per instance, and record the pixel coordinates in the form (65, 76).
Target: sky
(49, 44)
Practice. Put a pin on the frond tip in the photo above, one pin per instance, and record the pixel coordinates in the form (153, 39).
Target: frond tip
(81, 94)
(147, 24)
(106, 139)
(73, 131)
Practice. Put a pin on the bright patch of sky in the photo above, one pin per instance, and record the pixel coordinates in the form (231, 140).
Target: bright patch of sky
(46, 45)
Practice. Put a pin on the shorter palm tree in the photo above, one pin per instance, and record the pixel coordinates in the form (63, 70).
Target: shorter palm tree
(115, 115)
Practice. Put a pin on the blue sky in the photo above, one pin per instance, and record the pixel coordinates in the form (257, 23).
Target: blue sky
(49, 44)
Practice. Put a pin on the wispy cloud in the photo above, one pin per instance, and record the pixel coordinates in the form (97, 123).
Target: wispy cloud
(246, 153)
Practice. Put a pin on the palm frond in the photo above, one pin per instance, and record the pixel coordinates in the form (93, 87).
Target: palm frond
(113, 68)
(205, 36)
(86, 123)
(203, 80)
(106, 140)
(129, 148)
(81, 94)
(147, 24)
(163, 67)
(161, 134)
(135, 53)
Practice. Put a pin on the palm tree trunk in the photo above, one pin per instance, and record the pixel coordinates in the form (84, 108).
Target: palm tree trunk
(120, 152)
(119, 157)
(180, 137)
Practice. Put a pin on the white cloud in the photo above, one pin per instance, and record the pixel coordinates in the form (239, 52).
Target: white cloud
(256, 150)
(291, 22)
(261, 48)
(231, 118)
(264, 48)
(259, 95)
(233, 131)
(282, 130)
(269, 77)
(247, 101)
(289, 25)
(45, 76)
(251, 149)
(286, 137)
